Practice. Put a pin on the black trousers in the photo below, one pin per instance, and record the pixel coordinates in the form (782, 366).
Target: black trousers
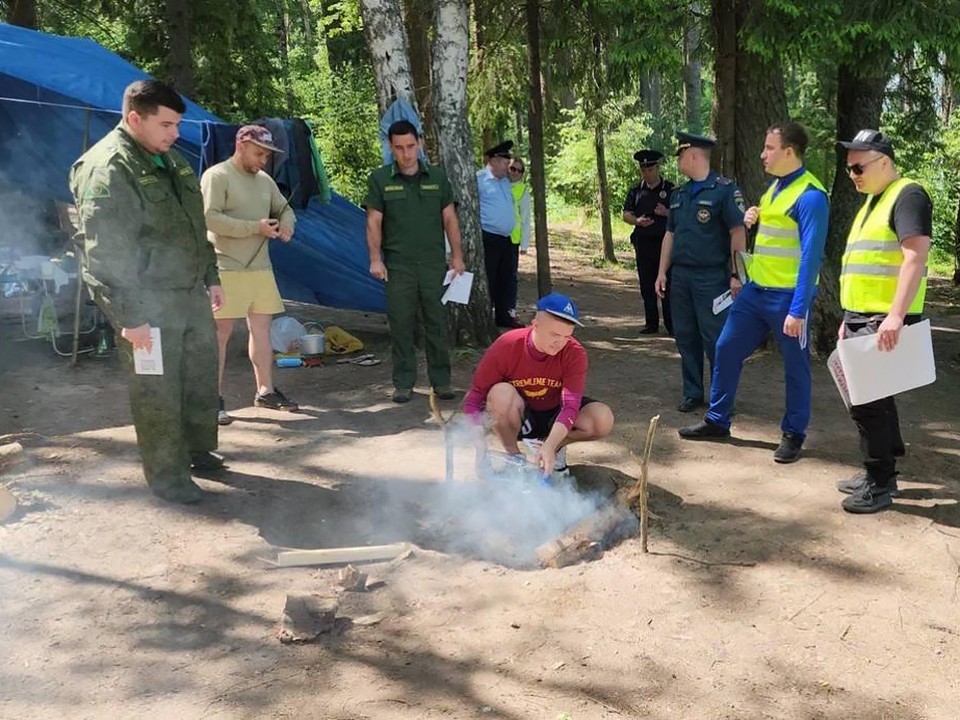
(648, 267)
(878, 423)
(501, 256)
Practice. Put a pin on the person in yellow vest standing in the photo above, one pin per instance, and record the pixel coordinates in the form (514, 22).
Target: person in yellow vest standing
(520, 236)
(883, 282)
(787, 255)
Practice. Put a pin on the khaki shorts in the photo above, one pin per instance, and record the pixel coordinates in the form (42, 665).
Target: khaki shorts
(248, 291)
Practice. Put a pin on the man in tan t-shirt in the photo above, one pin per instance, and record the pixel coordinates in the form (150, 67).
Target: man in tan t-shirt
(244, 210)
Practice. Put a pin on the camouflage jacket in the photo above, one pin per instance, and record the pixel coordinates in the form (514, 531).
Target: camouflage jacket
(142, 227)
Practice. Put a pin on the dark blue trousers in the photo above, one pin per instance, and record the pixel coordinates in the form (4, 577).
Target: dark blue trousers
(755, 312)
(695, 327)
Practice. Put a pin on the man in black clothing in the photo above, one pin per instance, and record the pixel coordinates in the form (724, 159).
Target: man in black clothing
(883, 282)
(646, 209)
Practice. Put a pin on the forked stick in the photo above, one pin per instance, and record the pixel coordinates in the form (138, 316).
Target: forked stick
(640, 489)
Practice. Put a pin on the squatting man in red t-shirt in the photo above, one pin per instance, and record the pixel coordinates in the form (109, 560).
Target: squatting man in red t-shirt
(531, 382)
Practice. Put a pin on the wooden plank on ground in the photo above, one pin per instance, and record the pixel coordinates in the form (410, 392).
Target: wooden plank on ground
(338, 556)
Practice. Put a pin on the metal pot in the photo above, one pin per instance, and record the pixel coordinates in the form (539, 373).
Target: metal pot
(313, 344)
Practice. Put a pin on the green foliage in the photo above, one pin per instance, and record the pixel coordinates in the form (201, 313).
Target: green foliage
(342, 108)
(572, 170)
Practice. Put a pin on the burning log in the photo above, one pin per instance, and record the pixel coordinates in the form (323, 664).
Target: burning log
(588, 538)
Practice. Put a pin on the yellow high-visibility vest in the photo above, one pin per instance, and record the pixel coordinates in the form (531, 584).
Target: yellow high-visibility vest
(517, 189)
(776, 252)
(871, 262)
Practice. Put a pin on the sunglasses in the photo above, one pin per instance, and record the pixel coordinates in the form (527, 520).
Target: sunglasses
(858, 168)
(517, 170)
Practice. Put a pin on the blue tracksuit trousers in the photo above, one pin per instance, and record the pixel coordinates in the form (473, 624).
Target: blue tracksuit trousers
(755, 312)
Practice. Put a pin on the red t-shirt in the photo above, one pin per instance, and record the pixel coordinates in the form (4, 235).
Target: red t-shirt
(545, 382)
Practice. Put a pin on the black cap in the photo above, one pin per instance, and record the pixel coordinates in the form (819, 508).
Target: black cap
(502, 150)
(648, 158)
(869, 140)
(686, 140)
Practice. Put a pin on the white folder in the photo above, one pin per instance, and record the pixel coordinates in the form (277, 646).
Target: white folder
(871, 374)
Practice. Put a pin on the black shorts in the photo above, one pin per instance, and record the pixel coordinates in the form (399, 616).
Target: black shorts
(537, 424)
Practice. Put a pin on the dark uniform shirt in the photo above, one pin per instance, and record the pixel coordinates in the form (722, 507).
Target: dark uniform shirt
(412, 208)
(141, 219)
(701, 217)
(643, 200)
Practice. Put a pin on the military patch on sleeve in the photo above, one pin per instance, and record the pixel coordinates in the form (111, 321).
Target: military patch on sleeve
(97, 190)
(740, 202)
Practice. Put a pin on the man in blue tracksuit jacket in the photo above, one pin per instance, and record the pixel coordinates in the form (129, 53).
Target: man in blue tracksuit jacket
(784, 270)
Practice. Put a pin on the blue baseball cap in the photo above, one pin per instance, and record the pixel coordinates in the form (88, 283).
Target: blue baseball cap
(560, 306)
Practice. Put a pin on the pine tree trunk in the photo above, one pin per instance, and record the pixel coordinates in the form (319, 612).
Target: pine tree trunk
(860, 95)
(692, 70)
(387, 42)
(22, 13)
(419, 18)
(535, 123)
(470, 324)
(604, 192)
(179, 58)
(725, 77)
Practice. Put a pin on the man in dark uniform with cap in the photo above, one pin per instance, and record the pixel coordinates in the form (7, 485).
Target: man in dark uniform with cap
(704, 232)
(497, 218)
(646, 209)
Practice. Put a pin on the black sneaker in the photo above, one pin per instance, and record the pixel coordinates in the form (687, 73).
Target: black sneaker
(704, 430)
(858, 481)
(445, 392)
(789, 449)
(222, 417)
(206, 461)
(868, 499)
(650, 331)
(689, 405)
(275, 400)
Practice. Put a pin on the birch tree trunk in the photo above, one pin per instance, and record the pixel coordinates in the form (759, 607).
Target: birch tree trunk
(470, 324)
(387, 41)
(603, 191)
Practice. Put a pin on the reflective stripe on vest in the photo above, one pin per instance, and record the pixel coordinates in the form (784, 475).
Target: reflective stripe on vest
(776, 252)
(870, 269)
(517, 190)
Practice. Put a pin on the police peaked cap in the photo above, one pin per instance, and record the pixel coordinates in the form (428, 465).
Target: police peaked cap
(686, 140)
(648, 158)
(502, 150)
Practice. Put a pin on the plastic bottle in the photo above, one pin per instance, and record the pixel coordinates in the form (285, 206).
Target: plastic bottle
(289, 362)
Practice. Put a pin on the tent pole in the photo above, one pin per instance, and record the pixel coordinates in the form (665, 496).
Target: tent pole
(74, 353)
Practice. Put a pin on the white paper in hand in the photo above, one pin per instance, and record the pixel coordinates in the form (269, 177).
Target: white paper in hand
(459, 288)
(722, 301)
(835, 366)
(149, 363)
(872, 374)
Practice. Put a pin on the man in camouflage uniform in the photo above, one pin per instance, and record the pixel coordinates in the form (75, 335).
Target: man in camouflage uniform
(149, 265)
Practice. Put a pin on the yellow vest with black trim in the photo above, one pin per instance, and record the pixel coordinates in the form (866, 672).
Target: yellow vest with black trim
(517, 189)
(776, 251)
(871, 262)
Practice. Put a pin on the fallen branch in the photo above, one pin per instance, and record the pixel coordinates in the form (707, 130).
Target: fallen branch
(337, 556)
(707, 563)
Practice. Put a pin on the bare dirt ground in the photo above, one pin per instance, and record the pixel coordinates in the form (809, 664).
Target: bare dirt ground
(760, 598)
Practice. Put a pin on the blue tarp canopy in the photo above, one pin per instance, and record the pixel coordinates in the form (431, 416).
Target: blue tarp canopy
(59, 95)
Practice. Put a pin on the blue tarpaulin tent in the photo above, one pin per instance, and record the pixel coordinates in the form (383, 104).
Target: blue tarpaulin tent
(59, 95)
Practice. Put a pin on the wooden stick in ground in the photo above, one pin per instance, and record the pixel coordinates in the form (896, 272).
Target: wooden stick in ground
(640, 489)
(447, 437)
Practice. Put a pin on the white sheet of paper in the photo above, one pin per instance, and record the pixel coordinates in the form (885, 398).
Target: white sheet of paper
(149, 363)
(459, 288)
(872, 374)
(835, 366)
(722, 301)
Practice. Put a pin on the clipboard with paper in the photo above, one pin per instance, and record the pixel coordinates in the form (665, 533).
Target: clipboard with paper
(869, 374)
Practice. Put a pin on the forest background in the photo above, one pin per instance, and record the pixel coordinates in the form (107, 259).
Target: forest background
(579, 85)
